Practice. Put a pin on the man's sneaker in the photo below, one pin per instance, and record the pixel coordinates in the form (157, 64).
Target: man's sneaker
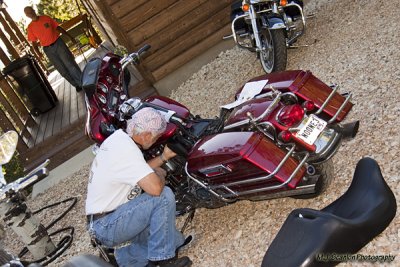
(174, 262)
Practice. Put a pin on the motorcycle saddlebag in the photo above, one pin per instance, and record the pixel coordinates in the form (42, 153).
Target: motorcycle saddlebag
(225, 158)
(90, 76)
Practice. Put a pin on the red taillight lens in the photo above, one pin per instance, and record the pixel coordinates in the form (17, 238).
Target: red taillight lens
(285, 136)
(309, 105)
(291, 115)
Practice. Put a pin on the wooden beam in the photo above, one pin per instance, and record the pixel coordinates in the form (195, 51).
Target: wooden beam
(23, 39)
(6, 125)
(144, 12)
(187, 40)
(120, 34)
(4, 58)
(14, 26)
(59, 147)
(16, 102)
(124, 7)
(141, 87)
(14, 117)
(13, 37)
(113, 21)
(173, 19)
(191, 53)
(10, 47)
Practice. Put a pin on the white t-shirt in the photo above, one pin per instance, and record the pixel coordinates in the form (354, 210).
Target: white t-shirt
(116, 169)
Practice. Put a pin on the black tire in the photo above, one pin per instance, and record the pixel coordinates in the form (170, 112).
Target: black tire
(274, 54)
(326, 170)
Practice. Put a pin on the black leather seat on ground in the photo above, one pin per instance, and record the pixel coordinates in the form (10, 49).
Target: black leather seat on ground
(320, 238)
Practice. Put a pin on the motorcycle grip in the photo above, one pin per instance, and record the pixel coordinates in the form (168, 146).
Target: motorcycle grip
(144, 49)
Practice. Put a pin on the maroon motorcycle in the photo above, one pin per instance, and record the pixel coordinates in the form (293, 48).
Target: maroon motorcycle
(276, 138)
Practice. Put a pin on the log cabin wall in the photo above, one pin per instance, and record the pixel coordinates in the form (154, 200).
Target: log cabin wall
(177, 30)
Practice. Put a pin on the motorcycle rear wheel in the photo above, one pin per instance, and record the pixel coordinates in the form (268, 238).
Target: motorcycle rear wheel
(326, 172)
(274, 54)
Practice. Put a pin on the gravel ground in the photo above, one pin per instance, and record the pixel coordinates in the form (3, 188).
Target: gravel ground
(355, 44)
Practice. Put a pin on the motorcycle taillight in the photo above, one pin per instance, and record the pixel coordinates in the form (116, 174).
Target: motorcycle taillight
(291, 115)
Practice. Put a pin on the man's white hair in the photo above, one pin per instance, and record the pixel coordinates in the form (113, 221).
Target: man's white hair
(146, 120)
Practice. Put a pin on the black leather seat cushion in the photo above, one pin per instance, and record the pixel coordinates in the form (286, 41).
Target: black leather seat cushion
(341, 228)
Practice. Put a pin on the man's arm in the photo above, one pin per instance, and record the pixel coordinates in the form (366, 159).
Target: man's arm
(62, 31)
(153, 183)
(161, 159)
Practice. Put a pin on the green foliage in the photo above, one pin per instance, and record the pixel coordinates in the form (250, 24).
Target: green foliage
(120, 50)
(60, 10)
(13, 169)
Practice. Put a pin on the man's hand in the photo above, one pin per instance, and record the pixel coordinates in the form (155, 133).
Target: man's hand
(168, 153)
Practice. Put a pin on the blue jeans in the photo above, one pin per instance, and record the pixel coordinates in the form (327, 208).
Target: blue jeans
(64, 62)
(147, 223)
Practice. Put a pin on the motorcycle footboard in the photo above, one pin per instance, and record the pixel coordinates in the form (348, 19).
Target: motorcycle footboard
(328, 101)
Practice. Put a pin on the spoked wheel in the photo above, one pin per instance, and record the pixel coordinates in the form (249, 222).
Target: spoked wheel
(326, 172)
(273, 56)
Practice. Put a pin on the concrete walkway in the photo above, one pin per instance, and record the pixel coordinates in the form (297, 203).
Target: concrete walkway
(63, 171)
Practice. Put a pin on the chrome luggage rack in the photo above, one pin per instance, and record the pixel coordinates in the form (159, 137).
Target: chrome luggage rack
(232, 195)
(328, 99)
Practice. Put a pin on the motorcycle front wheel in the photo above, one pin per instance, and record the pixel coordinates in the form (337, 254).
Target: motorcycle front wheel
(273, 56)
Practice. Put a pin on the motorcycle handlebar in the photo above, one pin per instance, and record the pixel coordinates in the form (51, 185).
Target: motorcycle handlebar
(23, 182)
(143, 49)
(134, 57)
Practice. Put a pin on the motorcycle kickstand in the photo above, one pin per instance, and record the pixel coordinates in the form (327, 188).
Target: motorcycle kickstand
(299, 46)
(188, 220)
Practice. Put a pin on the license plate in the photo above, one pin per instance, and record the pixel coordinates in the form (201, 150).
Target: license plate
(312, 127)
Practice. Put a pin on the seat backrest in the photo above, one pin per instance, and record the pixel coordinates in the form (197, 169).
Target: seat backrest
(368, 193)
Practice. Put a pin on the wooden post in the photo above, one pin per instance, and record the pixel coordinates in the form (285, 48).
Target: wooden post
(21, 37)
(14, 38)
(9, 45)
(4, 58)
(6, 125)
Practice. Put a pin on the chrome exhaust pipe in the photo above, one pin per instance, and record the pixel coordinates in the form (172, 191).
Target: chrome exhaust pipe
(349, 130)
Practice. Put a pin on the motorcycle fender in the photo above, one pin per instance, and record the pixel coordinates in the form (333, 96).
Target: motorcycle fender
(276, 23)
(235, 156)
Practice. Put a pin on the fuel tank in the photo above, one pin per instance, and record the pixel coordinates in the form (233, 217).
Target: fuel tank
(233, 157)
(306, 87)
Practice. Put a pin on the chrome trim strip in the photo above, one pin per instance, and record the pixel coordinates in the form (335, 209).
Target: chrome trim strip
(270, 187)
(206, 187)
(227, 197)
(253, 180)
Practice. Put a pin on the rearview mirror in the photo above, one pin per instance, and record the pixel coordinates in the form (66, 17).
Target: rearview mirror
(8, 144)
